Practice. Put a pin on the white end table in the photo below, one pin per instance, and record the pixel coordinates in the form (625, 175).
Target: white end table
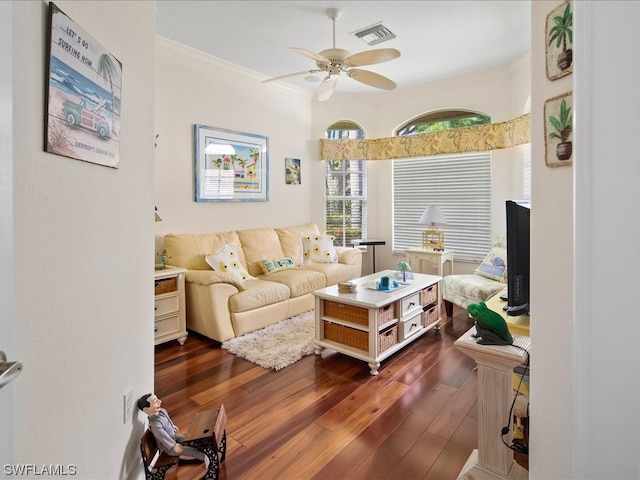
(443, 259)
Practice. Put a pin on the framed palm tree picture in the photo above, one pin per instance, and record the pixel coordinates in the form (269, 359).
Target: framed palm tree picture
(558, 130)
(230, 166)
(559, 41)
(83, 94)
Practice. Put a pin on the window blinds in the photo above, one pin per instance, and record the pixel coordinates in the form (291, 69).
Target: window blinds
(461, 185)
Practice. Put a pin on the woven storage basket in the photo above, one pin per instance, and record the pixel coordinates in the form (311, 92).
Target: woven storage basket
(429, 295)
(166, 285)
(387, 338)
(386, 313)
(430, 316)
(342, 311)
(346, 336)
(358, 315)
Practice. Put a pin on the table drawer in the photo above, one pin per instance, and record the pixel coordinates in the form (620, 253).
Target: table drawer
(409, 327)
(167, 304)
(168, 325)
(410, 303)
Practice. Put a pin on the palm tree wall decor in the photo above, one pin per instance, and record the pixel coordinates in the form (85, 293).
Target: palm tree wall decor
(559, 37)
(558, 113)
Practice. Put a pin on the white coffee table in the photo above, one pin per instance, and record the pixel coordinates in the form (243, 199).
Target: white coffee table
(371, 325)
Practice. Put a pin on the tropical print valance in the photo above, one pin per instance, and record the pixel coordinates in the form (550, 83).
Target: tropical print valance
(480, 138)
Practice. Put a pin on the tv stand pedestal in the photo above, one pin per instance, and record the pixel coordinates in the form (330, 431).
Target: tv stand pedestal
(493, 460)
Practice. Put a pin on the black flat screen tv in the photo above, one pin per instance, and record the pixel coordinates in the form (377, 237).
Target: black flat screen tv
(518, 266)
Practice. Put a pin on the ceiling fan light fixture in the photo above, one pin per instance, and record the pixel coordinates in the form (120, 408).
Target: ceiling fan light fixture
(375, 34)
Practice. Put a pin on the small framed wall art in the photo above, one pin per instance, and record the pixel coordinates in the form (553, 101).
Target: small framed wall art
(292, 171)
(558, 130)
(230, 166)
(83, 95)
(559, 41)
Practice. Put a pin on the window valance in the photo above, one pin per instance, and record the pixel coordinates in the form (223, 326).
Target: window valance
(458, 140)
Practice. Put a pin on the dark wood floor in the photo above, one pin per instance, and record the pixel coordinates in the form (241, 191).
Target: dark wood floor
(326, 417)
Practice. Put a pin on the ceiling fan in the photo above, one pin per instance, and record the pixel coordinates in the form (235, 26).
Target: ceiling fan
(334, 61)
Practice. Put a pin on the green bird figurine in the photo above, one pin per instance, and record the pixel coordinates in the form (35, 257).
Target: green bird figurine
(491, 328)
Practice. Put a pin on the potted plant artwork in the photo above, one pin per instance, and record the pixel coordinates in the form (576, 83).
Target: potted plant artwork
(403, 267)
(559, 41)
(561, 32)
(562, 127)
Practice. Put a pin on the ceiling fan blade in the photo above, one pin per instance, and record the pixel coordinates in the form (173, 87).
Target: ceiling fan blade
(310, 54)
(282, 77)
(372, 79)
(327, 87)
(371, 57)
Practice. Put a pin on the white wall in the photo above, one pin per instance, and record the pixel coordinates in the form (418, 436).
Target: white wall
(584, 385)
(194, 88)
(83, 315)
(501, 93)
(7, 312)
(606, 179)
(552, 316)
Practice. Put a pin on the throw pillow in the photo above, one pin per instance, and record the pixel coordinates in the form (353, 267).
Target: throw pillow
(226, 260)
(494, 265)
(318, 249)
(277, 265)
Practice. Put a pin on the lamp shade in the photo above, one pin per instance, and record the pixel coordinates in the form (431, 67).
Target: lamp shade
(432, 215)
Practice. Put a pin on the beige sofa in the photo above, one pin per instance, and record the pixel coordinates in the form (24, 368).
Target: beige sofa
(221, 307)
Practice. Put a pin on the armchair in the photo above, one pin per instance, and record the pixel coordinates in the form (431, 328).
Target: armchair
(488, 279)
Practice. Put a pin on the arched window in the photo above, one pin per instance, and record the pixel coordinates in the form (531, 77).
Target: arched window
(345, 190)
(443, 120)
(460, 184)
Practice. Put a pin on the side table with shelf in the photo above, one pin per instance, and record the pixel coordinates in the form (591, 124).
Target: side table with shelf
(371, 325)
(442, 259)
(169, 306)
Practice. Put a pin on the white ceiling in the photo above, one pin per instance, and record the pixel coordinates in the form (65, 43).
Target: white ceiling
(437, 39)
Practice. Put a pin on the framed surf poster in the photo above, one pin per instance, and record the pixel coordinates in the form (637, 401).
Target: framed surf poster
(83, 95)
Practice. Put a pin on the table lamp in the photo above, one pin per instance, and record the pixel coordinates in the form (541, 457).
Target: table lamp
(433, 238)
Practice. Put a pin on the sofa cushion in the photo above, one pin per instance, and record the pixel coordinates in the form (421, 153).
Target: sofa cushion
(494, 265)
(258, 293)
(277, 265)
(259, 243)
(188, 250)
(318, 249)
(290, 240)
(226, 260)
(334, 272)
(299, 282)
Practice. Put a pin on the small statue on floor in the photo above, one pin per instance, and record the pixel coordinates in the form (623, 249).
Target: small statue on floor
(165, 432)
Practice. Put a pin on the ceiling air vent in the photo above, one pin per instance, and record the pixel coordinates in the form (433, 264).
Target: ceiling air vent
(375, 34)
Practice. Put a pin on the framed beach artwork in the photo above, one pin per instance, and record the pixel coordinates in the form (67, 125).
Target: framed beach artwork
(558, 130)
(83, 95)
(292, 171)
(559, 41)
(230, 166)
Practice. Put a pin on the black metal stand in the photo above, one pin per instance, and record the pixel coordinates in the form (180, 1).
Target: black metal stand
(373, 244)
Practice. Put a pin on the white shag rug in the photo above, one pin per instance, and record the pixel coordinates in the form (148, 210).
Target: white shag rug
(279, 345)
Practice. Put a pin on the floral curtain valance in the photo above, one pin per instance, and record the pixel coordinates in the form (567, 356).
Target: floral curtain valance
(466, 139)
